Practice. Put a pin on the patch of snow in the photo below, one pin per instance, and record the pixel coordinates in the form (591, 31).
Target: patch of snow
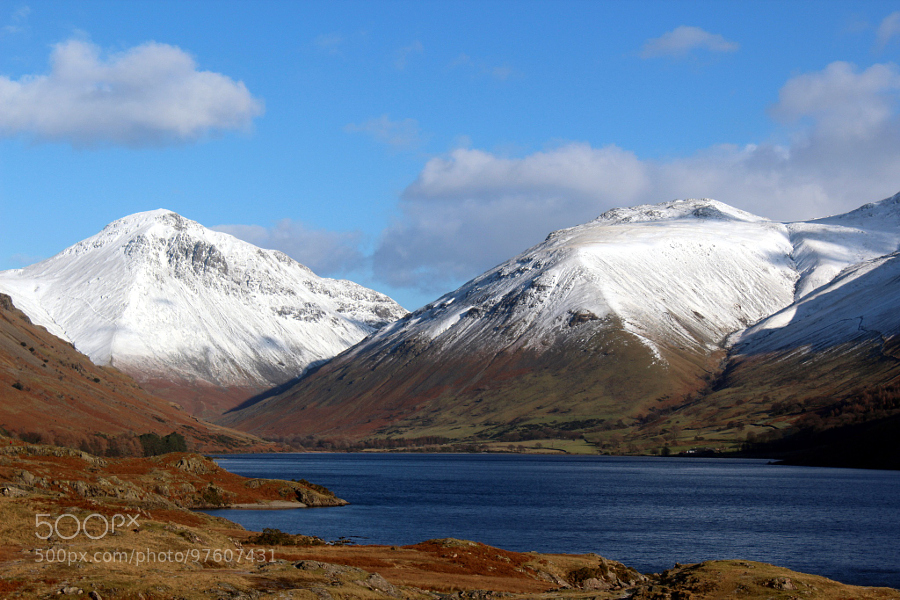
(859, 304)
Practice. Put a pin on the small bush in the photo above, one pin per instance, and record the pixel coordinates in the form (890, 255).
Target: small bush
(212, 497)
(32, 437)
(313, 486)
(276, 537)
(154, 445)
(581, 575)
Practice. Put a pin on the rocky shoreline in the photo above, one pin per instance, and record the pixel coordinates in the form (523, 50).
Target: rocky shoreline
(57, 504)
(170, 481)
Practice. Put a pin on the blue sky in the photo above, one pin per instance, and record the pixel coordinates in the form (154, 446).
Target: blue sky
(411, 145)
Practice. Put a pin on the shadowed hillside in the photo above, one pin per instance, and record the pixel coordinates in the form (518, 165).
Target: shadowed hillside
(50, 392)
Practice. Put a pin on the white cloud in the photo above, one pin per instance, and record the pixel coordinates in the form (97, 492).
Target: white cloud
(842, 101)
(682, 40)
(403, 134)
(888, 28)
(404, 53)
(150, 95)
(472, 209)
(327, 253)
(575, 170)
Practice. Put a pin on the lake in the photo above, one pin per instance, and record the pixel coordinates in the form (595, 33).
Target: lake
(648, 513)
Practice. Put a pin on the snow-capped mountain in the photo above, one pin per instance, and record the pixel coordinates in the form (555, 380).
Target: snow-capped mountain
(167, 300)
(636, 309)
(684, 273)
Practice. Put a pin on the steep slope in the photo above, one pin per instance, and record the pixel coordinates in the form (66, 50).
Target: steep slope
(624, 322)
(858, 305)
(51, 391)
(597, 323)
(839, 336)
(838, 340)
(823, 248)
(196, 315)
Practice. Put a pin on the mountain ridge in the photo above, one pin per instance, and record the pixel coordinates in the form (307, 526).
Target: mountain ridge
(680, 279)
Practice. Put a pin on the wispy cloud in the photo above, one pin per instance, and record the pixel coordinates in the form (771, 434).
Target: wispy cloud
(25, 259)
(402, 135)
(683, 40)
(471, 209)
(403, 54)
(329, 42)
(887, 30)
(150, 95)
(327, 253)
(18, 21)
(499, 72)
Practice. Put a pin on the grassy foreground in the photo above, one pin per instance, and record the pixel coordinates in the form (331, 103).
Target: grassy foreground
(123, 528)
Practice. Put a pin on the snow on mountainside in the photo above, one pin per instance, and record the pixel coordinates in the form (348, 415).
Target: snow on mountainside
(684, 273)
(553, 330)
(859, 304)
(160, 296)
(844, 264)
(825, 247)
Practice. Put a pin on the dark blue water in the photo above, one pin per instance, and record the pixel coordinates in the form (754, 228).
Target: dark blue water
(648, 513)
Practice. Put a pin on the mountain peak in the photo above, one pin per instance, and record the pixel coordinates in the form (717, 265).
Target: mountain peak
(884, 213)
(697, 208)
(890, 203)
(147, 219)
(164, 298)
